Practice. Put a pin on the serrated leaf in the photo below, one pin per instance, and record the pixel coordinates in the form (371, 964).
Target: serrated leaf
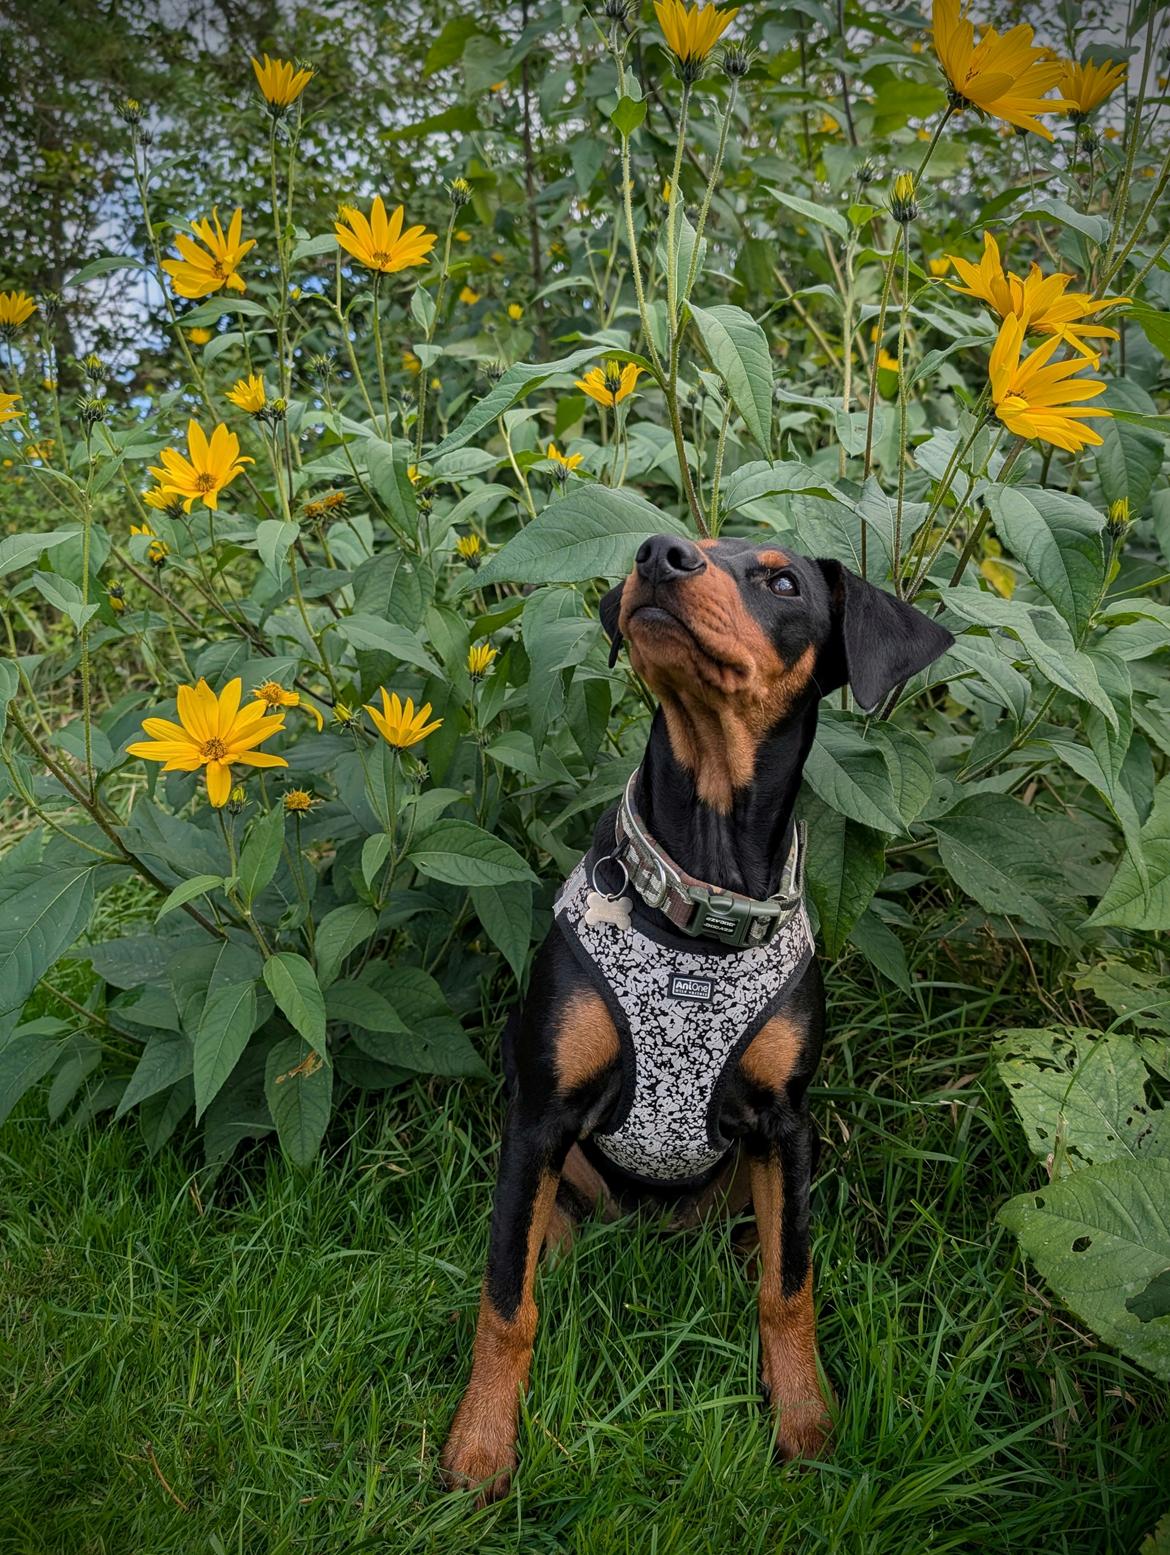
(187, 892)
(299, 1091)
(1099, 1237)
(851, 775)
(340, 932)
(739, 353)
(368, 631)
(993, 847)
(590, 532)
(461, 853)
(227, 1021)
(1128, 903)
(1058, 540)
(25, 1058)
(293, 984)
(43, 908)
(19, 550)
(260, 855)
(167, 1058)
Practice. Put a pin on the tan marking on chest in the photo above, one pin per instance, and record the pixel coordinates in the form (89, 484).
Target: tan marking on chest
(587, 1041)
(772, 1054)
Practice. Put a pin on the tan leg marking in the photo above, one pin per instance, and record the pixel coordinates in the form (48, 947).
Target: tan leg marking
(772, 1053)
(587, 1041)
(481, 1447)
(788, 1330)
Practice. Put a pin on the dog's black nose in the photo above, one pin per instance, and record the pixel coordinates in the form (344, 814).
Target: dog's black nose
(663, 558)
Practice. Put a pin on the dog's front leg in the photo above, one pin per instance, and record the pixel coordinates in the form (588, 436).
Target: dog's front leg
(780, 1175)
(481, 1447)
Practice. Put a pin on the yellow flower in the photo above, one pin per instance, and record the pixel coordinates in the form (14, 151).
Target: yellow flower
(1034, 398)
(940, 266)
(515, 311)
(156, 498)
(280, 83)
(886, 361)
(15, 309)
(463, 236)
(479, 660)
(42, 450)
(273, 695)
(329, 503)
(566, 462)
(666, 191)
(7, 401)
(198, 336)
(157, 552)
(212, 464)
(211, 733)
(249, 394)
(202, 271)
(49, 385)
(142, 529)
(828, 125)
(298, 801)
(468, 546)
(1042, 303)
(469, 297)
(1087, 86)
(400, 725)
(999, 575)
(498, 256)
(1008, 77)
(379, 243)
(691, 32)
(611, 384)
(116, 596)
(411, 363)
(1112, 132)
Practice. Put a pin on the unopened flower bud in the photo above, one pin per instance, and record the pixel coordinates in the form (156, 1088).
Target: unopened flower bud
(904, 206)
(237, 799)
(91, 410)
(129, 110)
(460, 192)
(1119, 523)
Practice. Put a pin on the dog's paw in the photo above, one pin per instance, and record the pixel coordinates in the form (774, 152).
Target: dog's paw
(802, 1429)
(471, 1462)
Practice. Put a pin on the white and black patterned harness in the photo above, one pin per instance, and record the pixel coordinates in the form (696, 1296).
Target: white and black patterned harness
(684, 1016)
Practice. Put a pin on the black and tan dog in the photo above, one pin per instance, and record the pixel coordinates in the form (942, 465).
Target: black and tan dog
(739, 642)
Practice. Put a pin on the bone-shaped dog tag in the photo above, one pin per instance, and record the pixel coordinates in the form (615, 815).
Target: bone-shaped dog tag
(600, 909)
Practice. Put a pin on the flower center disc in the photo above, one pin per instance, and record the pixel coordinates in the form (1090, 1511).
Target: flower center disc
(214, 750)
(204, 481)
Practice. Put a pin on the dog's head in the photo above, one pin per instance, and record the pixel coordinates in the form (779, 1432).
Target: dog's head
(735, 638)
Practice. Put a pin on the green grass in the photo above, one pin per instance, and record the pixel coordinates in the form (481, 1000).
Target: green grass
(287, 1352)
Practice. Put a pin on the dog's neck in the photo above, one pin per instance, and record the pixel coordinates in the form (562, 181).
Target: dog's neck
(744, 848)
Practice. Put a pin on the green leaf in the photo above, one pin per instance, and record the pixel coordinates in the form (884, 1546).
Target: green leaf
(1044, 637)
(9, 686)
(340, 932)
(187, 892)
(845, 864)
(820, 214)
(19, 550)
(995, 850)
(293, 984)
(1081, 1094)
(739, 353)
(359, 1004)
(519, 380)
(65, 595)
(227, 1021)
(1150, 1304)
(760, 480)
(25, 1058)
(274, 540)
(1058, 540)
(299, 1091)
(1127, 904)
(368, 631)
(628, 116)
(460, 853)
(392, 484)
(1099, 1237)
(882, 948)
(851, 775)
(505, 911)
(103, 266)
(590, 532)
(43, 909)
(167, 1058)
(1095, 228)
(260, 855)
(434, 1044)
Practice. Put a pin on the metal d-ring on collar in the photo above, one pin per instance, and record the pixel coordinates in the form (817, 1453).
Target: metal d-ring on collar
(694, 906)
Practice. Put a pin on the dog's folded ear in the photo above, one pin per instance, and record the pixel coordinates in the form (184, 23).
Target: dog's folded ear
(609, 609)
(878, 641)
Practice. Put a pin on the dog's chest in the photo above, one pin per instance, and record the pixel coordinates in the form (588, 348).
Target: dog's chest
(684, 1017)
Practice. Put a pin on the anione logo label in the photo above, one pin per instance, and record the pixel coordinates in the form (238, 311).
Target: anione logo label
(700, 988)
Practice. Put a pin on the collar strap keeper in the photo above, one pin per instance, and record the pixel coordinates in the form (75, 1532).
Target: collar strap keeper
(696, 907)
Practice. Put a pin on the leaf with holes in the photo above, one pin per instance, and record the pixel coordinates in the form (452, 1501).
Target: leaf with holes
(1099, 1237)
(299, 1090)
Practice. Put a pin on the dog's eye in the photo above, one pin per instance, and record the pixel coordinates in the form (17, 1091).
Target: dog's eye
(784, 583)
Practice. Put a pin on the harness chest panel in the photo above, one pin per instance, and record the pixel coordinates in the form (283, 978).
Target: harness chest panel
(683, 1017)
